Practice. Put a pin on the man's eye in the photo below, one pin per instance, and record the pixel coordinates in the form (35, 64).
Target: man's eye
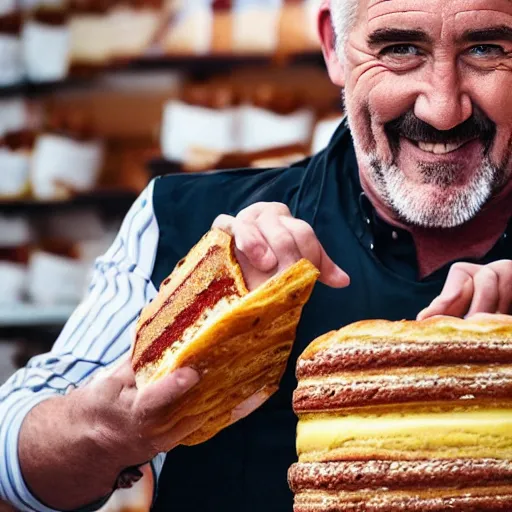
(487, 50)
(399, 50)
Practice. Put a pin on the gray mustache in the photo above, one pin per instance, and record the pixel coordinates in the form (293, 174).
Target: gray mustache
(409, 126)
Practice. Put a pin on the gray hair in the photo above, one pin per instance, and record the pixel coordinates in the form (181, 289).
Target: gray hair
(343, 13)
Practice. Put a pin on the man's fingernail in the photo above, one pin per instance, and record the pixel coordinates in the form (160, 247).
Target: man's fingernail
(421, 314)
(449, 297)
(259, 252)
(343, 274)
(341, 277)
(187, 378)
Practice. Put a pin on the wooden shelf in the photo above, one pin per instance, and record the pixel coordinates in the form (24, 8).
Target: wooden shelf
(200, 67)
(214, 64)
(113, 201)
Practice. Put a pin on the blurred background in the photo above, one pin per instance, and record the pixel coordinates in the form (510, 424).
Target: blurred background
(99, 96)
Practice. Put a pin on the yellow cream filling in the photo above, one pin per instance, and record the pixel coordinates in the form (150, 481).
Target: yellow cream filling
(459, 433)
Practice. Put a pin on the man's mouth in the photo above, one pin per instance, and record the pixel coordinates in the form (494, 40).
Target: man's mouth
(438, 148)
(426, 143)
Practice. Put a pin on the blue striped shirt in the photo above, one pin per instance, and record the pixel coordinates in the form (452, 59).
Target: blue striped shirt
(98, 333)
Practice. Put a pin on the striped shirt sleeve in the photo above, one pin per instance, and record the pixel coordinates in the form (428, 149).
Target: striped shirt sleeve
(98, 333)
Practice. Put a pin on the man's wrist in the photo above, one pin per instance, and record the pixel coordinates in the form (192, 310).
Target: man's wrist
(110, 436)
(92, 418)
(61, 465)
(92, 423)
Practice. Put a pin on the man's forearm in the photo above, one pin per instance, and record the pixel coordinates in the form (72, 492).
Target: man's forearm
(72, 449)
(62, 462)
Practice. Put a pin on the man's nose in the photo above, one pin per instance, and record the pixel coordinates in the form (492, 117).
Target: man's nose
(443, 103)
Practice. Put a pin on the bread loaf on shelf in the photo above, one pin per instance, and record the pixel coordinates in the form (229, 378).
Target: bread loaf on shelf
(190, 28)
(67, 143)
(11, 59)
(15, 164)
(46, 43)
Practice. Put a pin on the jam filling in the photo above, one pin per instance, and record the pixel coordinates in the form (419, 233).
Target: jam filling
(211, 252)
(217, 290)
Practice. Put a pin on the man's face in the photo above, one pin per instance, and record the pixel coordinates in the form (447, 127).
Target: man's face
(428, 94)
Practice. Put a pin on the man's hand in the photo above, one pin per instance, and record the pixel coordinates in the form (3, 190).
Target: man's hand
(268, 239)
(73, 448)
(135, 425)
(472, 289)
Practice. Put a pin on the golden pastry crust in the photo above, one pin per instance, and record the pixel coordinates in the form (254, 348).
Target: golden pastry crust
(214, 237)
(239, 349)
(440, 328)
(209, 273)
(244, 351)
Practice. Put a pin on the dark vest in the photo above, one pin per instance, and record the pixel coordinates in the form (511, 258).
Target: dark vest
(244, 468)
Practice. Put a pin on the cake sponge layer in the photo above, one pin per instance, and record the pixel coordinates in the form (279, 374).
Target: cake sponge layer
(403, 385)
(476, 431)
(492, 499)
(396, 475)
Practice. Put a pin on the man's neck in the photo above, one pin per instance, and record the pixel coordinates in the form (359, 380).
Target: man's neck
(436, 247)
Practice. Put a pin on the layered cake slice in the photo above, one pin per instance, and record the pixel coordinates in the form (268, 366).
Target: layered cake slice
(406, 416)
(202, 285)
(205, 318)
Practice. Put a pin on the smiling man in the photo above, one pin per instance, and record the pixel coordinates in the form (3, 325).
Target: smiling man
(411, 200)
(426, 90)
(429, 108)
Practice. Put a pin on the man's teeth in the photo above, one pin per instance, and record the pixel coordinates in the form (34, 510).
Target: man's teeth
(439, 149)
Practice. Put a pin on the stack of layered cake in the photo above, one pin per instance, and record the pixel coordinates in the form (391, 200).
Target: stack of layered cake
(406, 416)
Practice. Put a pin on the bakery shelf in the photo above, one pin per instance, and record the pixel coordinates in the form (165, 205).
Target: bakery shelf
(200, 67)
(213, 64)
(29, 89)
(29, 315)
(113, 201)
(13, 90)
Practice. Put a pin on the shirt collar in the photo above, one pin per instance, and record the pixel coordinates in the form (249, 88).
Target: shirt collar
(394, 247)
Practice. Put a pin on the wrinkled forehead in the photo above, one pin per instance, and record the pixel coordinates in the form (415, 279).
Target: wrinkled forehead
(457, 14)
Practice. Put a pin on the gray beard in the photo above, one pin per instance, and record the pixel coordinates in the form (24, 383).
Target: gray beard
(447, 207)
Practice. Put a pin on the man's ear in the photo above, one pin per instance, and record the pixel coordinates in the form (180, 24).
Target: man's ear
(328, 41)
